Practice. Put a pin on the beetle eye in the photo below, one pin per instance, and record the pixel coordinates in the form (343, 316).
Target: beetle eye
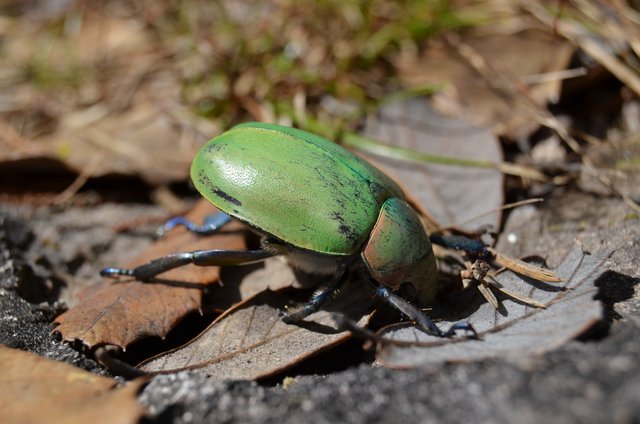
(375, 187)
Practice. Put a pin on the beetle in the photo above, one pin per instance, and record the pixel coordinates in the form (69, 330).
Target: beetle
(322, 207)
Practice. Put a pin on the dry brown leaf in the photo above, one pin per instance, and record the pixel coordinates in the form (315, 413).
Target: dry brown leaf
(34, 389)
(241, 283)
(517, 62)
(119, 313)
(251, 341)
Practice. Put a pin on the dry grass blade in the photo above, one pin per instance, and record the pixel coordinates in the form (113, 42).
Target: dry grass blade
(487, 294)
(524, 268)
(523, 171)
(510, 293)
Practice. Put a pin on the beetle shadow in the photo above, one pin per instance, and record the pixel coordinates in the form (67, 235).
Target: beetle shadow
(167, 282)
(216, 296)
(226, 294)
(613, 287)
(278, 300)
(457, 305)
(316, 327)
(541, 285)
(354, 301)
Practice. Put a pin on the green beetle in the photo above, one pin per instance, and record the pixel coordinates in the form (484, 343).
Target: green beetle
(324, 208)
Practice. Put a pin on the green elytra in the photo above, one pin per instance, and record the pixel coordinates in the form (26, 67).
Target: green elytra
(312, 194)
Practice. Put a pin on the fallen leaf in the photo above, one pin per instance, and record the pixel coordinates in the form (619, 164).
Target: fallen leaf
(34, 389)
(450, 194)
(516, 330)
(251, 341)
(121, 312)
(239, 283)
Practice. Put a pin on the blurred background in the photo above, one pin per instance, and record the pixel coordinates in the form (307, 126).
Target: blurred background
(99, 96)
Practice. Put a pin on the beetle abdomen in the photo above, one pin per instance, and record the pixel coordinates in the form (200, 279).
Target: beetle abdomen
(305, 191)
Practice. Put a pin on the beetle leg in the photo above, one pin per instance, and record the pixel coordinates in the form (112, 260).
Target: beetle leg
(198, 257)
(212, 223)
(420, 318)
(471, 246)
(317, 301)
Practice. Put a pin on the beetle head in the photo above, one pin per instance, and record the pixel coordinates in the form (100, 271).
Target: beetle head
(398, 251)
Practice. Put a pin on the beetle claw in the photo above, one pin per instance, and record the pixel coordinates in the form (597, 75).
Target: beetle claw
(284, 315)
(463, 326)
(114, 272)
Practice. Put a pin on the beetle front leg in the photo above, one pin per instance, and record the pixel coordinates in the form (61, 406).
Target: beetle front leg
(317, 301)
(198, 257)
(420, 318)
(211, 224)
(471, 246)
